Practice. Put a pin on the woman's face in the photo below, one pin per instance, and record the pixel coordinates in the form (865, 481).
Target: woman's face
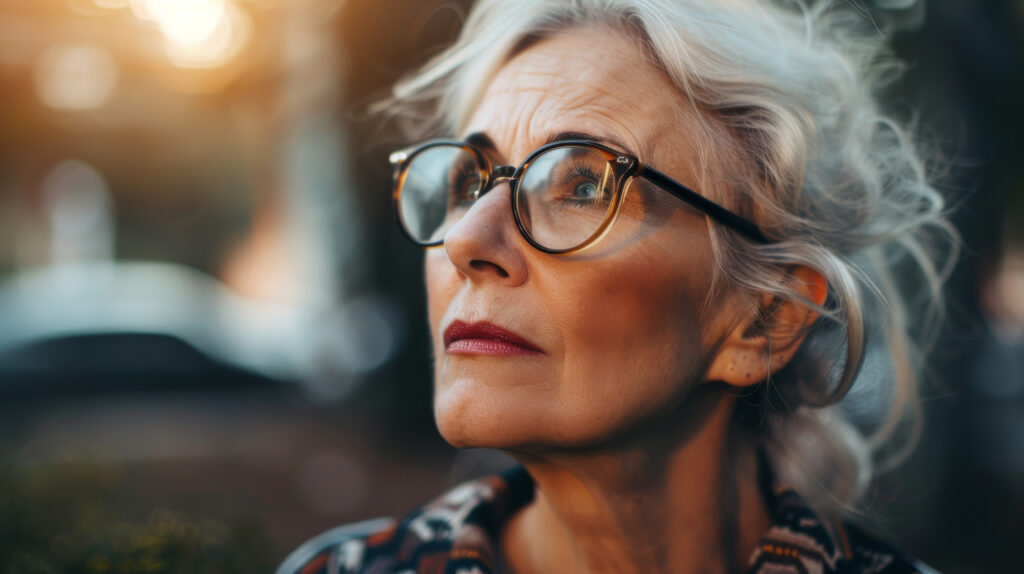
(616, 332)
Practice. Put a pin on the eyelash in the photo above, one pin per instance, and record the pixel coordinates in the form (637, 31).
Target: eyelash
(580, 170)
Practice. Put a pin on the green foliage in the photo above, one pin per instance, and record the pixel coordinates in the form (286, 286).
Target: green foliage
(59, 519)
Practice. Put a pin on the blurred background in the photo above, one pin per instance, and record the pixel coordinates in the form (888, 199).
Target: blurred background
(213, 342)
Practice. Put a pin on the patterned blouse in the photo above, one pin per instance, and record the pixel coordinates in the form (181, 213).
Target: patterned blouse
(457, 533)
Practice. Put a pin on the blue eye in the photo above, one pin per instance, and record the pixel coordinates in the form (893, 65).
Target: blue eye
(585, 187)
(587, 190)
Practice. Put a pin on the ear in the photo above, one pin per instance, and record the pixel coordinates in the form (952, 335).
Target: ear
(759, 345)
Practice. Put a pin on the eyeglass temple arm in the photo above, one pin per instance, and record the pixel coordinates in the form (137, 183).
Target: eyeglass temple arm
(704, 204)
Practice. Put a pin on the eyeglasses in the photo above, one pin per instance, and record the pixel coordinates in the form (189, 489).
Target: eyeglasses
(565, 195)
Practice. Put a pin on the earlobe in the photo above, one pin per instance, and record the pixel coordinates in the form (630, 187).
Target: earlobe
(763, 342)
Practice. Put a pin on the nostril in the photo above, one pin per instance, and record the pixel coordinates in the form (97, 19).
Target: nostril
(481, 265)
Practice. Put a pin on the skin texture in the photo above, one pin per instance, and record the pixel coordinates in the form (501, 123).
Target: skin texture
(623, 419)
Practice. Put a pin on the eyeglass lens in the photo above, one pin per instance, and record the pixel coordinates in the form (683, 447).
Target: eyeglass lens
(440, 184)
(564, 194)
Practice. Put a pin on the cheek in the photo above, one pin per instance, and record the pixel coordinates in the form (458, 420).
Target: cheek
(632, 340)
(638, 300)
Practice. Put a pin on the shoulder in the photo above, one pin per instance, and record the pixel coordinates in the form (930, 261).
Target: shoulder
(833, 547)
(801, 540)
(455, 529)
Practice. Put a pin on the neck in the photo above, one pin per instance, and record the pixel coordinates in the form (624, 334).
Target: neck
(680, 496)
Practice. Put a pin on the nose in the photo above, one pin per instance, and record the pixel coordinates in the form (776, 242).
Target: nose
(485, 244)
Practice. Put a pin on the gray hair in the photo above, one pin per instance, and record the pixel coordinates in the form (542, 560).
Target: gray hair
(787, 98)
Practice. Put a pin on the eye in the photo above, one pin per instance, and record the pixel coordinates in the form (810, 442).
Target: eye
(463, 182)
(586, 191)
(584, 187)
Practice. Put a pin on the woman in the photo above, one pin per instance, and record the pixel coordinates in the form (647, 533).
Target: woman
(659, 255)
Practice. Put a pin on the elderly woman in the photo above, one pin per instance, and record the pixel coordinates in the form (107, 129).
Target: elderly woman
(660, 251)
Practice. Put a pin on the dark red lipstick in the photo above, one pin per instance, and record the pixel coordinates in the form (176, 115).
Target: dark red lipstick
(485, 338)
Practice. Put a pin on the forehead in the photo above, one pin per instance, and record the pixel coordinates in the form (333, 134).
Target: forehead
(593, 80)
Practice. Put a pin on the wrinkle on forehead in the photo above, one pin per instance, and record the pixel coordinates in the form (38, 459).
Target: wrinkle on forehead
(592, 79)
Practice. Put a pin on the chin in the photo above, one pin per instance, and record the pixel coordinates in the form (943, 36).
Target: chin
(470, 417)
(465, 420)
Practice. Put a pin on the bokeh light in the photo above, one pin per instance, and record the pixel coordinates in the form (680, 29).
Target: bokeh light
(197, 33)
(75, 77)
(225, 40)
(187, 22)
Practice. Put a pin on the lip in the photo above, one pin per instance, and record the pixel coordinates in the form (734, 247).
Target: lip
(484, 338)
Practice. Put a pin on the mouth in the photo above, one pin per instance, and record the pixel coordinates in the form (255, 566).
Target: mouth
(483, 338)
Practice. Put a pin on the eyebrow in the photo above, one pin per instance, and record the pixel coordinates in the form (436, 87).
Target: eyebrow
(480, 139)
(562, 136)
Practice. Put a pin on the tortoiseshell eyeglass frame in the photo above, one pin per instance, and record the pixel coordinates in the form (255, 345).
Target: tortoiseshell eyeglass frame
(624, 166)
